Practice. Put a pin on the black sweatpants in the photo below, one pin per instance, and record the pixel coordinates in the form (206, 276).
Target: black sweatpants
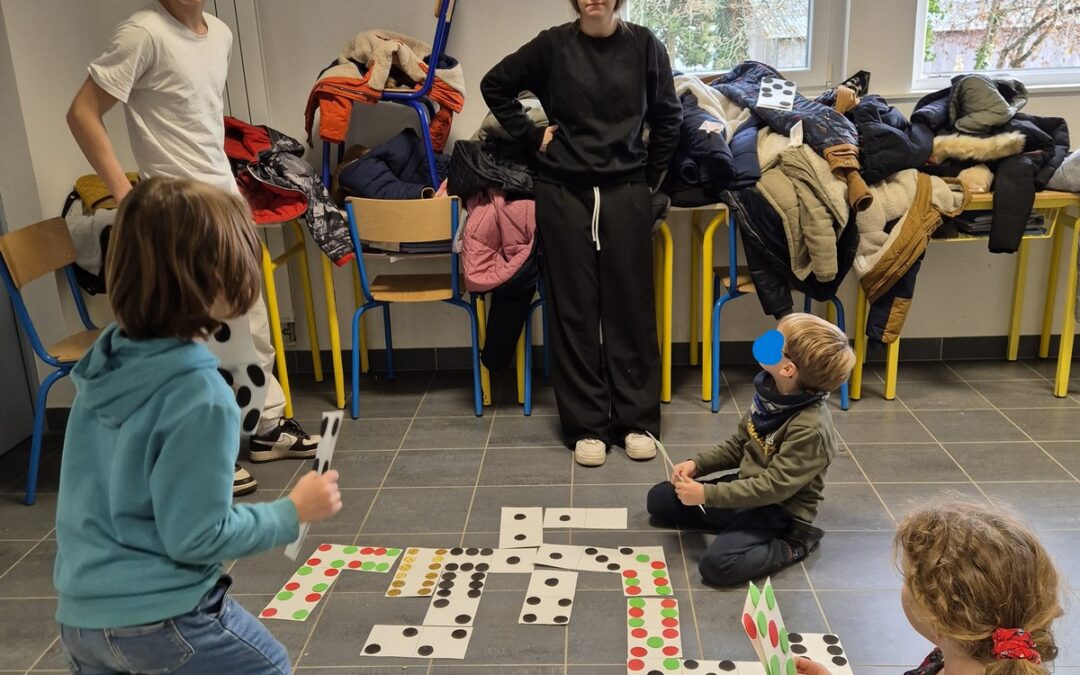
(602, 391)
(750, 542)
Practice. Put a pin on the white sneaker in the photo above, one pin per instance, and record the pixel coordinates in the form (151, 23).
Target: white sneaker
(639, 447)
(590, 452)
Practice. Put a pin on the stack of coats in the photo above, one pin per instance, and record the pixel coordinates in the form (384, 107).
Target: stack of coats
(372, 62)
(494, 175)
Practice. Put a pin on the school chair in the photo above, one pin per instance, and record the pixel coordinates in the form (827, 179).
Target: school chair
(738, 283)
(25, 255)
(404, 221)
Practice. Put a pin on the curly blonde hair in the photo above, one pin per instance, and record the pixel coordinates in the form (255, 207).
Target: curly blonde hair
(972, 569)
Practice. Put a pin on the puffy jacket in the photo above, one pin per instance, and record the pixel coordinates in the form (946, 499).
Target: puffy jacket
(280, 185)
(703, 162)
(396, 169)
(476, 167)
(888, 142)
(498, 238)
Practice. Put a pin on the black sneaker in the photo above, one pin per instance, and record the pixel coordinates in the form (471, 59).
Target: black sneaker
(286, 441)
(803, 538)
(243, 482)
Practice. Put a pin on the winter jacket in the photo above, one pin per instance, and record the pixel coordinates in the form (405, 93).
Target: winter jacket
(703, 161)
(1067, 176)
(1023, 152)
(893, 234)
(499, 237)
(811, 203)
(492, 129)
(281, 186)
(396, 169)
(888, 142)
(978, 105)
(476, 167)
(766, 247)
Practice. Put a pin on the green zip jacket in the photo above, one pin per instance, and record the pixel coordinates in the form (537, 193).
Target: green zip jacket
(787, 469)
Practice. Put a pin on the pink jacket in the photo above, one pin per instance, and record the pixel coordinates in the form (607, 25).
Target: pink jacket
(497, 240)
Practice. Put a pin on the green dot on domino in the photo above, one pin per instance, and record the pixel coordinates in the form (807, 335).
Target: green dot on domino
(382, 567)
(672, 664)
(632, 582)
(642, 558)
(300, 614)
(669, 613)
(368, 565)
(660, 574)
(284, 595)
(636, 623)
(770, 597)
(304, 571)
(393, 552)
(319, 588)
(755, 595)
(337, 564)
(664, 590)
(349, 550)
(637, 602)
(655, 642)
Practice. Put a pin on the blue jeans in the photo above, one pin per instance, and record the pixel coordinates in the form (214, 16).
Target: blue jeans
(218, 636)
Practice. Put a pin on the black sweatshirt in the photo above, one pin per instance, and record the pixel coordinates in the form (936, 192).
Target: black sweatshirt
(599, 92)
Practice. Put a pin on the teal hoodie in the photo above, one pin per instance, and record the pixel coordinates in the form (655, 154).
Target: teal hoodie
(145, 514)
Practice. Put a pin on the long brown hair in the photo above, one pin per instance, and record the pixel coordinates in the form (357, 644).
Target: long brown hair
(972, 569)
(177, 246)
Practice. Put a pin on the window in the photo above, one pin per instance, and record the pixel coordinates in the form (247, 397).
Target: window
(801, 38)
(1032, 40)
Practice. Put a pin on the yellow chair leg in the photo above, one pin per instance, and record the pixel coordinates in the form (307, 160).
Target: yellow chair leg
(275, 327)
(335, 334)
(519, 357)
(481, 328)
(667, 249)
(309, 303)
(830, 313)
(358, 298)
(892, 366)
(1051, 286)
(1068, 327)
(695, 283)
(1018, 300)
(855, 390)
(707, 303)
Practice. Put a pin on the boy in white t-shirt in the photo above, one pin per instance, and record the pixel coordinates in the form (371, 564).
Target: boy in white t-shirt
(167, 63)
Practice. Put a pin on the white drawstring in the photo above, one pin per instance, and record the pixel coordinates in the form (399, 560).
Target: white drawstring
(596, 217)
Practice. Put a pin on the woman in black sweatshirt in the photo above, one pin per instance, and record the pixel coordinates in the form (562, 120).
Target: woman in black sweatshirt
(600, 80)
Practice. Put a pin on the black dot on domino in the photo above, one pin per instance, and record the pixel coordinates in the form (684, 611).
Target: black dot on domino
(227, 375)
(727, 666)
(529, 618)
(450, 567)
(796, 638)
(835, 650)
(256, 375)
(561, 619)
(591, 551)
(689, 664)
(425, 650)
(410, 632)
(462, 619)
(602, 558)
(519, 537)
(777, 85)
(788, 92)
(243, 397)
(372, 648)
(532, 600)
(337, 425)
(556, 556)
(466, 567)
(839, 660)
(459, 634)
(478, 576)
(487, 551)
(519, 516)
(551, 582)
(767, 80)
(457, 551)
(483, 567)
(473, 593)
(564, 518)
(440, 603)
(626, 550)
(614, 567)
(797, 648)
(789, 83)
(472, 551)
(565, 602)
(223, 334)
(828, 639)
(513, 560)
(251, 420)
(767, 93)
(322, 426)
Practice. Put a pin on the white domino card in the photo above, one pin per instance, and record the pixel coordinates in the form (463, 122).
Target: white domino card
(549, 598)
(417, 642)
(521, 527)
(512, 560)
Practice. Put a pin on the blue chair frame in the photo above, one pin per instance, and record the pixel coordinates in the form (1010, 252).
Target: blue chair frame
(63, 368)
(371, 303)
(734, 292)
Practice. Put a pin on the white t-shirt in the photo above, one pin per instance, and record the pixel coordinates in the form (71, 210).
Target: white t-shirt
(171, 81)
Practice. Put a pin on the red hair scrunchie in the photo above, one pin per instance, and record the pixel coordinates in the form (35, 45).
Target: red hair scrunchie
(1014, 643)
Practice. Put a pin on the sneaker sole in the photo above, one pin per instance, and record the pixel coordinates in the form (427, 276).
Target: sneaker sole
(245, 490)
(641, 456)
(260, 456)
(590, 461)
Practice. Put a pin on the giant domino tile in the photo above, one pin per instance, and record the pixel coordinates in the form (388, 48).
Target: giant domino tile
(454, 578)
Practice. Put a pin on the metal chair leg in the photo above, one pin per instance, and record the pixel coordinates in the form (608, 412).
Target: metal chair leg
(39, 430)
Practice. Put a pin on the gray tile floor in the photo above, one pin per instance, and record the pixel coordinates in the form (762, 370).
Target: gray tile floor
(419, 469)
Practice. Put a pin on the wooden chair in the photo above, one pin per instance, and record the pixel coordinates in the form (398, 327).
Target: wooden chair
(404, 221)
(26, 255)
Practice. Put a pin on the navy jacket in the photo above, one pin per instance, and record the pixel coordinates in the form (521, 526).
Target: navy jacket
(396, 169)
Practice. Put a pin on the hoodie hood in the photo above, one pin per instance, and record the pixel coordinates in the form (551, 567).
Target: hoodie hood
(113, 378)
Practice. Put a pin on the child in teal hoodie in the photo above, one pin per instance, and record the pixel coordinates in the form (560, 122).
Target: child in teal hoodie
(145, 514)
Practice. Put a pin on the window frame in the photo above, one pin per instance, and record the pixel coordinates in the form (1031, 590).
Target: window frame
(828, 32)
(1045, 78)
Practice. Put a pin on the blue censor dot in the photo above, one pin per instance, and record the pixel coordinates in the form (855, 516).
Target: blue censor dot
(769, 348)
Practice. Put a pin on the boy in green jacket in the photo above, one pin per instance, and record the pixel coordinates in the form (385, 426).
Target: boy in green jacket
(145, 515)
(783, 447)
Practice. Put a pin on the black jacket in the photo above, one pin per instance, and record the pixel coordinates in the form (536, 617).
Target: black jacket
(476, 166)
(703, 164)
(888, 142)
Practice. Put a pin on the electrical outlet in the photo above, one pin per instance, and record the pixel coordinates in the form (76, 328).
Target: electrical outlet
(288, 332)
